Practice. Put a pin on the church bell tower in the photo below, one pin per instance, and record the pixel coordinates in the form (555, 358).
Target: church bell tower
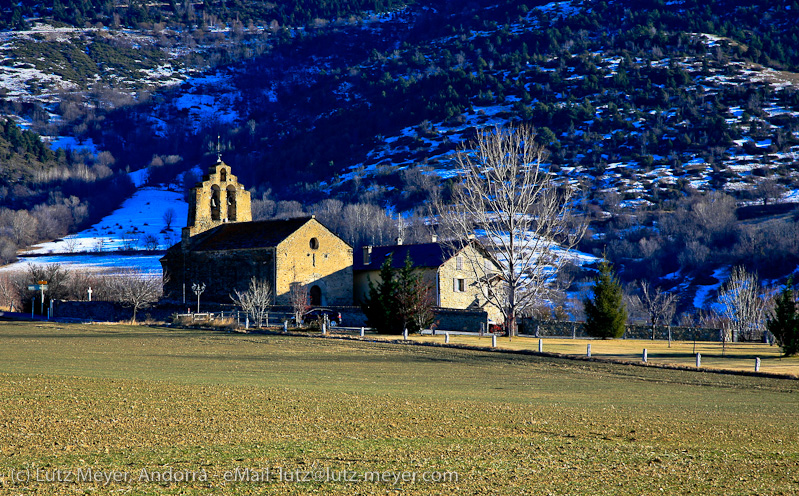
(218, 199)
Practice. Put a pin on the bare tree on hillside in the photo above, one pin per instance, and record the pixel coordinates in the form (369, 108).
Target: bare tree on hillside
(520, 215)
(169, 218)
(255, 301)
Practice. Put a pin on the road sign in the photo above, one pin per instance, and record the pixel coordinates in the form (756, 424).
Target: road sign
(37, 287)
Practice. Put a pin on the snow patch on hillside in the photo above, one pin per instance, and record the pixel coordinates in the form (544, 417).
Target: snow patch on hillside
(139, 219)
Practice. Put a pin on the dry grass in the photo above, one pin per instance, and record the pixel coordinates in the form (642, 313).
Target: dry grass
(732, 356)
(127, 398)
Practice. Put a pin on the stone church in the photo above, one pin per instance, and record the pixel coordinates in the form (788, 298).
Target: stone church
(223, 248)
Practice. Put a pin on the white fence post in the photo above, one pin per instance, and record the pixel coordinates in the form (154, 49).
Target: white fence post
(698, 360)
(588, 350)
(757, 364)
(362, 331)
(405, 334)
(644, 357)
(446, 338)
(493, 340)
(540, 345)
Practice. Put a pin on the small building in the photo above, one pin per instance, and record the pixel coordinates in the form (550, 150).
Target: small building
(445, 267)
(223, 248)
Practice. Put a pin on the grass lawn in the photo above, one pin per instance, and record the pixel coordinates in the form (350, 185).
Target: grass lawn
(122, 399)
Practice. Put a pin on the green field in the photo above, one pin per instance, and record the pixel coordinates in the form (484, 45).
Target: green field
(117, 400)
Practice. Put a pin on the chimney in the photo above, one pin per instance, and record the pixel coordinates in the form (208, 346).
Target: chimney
(434, 238)
(367, 255)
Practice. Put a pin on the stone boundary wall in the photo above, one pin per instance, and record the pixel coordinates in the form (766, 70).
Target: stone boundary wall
(446, 319)
(108, 311)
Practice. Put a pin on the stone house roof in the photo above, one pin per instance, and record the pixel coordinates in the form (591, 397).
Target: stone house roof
(424, 255)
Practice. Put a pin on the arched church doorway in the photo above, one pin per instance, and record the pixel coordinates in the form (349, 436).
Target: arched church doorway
(316, 296)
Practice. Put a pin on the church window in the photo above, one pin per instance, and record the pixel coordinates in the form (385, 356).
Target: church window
(223, 176)
(314, 244)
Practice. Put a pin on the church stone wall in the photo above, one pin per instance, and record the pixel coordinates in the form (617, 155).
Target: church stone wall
(313, 255)
(222, 272)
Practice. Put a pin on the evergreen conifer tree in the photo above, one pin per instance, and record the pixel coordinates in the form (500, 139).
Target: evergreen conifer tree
(785, 323)
(381, 307)
(605, 314)
(401, 300)
(414, 299)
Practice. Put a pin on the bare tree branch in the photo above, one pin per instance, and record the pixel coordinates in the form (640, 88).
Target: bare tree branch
(256, 301)
(659, 305)
(743, 304)
(300, 301)
(520, 215)
(136, 290)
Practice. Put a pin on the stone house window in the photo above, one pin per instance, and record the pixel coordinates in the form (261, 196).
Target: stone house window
(314, 244)
(459, 285)
(458, 263)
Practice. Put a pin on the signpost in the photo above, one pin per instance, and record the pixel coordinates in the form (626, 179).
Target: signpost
(39, 286)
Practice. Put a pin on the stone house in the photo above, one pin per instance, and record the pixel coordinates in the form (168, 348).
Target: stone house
(447, 269)
(223, 248)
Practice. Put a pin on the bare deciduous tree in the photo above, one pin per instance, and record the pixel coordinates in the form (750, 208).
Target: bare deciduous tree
(300, 301)
(743, 304)
(136, 290)
(255, 301)
(150, 242)
(519, 214)
(9, 293)
(659, 305)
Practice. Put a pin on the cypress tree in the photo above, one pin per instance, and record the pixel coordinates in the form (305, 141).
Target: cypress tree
(785, 322)
(605, 314)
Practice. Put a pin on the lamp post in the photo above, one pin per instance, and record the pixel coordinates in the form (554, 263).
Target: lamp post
(198, 290)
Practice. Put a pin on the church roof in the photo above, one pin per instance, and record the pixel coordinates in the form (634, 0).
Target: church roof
(422, 255)
(246, 235)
